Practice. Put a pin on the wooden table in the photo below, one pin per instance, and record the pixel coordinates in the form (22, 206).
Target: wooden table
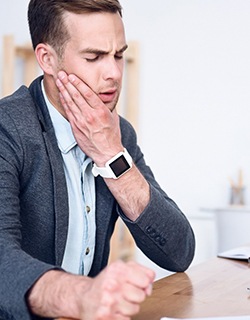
(214, 288)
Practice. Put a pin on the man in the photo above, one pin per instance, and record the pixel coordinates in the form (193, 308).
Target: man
(69, 166)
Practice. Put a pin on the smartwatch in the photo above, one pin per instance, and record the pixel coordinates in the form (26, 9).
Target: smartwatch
(115, 167)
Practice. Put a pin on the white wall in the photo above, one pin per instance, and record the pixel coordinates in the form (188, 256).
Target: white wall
(194, 97)
(13, 16)
(195, 93)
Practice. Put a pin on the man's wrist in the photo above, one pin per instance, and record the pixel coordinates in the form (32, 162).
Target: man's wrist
(115, 167)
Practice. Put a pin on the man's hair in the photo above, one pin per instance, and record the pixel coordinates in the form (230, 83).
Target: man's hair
(46, 18)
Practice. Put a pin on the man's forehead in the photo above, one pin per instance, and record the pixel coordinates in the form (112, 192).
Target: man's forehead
(93, 21)
(99, 31)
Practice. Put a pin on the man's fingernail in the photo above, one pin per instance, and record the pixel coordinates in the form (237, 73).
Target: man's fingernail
(71, 78)
(61, 75)
(58, 82)
(149, 289)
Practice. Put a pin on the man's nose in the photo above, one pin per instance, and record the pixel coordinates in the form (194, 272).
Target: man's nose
(113, 69)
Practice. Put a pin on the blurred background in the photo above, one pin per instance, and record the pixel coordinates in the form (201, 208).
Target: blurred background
(194, 103)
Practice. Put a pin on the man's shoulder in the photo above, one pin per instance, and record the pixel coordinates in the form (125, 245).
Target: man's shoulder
(17, 99)
(126, 125)
(129, 137)
(19, 106)
(19, 109)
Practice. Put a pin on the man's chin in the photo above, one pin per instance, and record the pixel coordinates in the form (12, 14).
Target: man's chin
(111, 105)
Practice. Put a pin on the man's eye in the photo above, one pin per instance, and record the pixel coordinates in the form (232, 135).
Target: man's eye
(119, 56)
(92, 59)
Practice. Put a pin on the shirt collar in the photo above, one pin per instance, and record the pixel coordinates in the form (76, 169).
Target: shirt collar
(65, 138)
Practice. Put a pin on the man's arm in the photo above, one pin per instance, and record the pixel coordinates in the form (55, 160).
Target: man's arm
(158, 226)
(116, 293)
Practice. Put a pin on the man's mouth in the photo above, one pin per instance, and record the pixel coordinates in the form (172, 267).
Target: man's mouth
(108, 96)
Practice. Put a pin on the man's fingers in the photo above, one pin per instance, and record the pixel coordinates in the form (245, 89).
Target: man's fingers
(140, 276)
(71, 98)
(89, 95)
(80, 92)
(136, 280)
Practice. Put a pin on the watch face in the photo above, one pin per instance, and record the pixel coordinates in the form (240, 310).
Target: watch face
(119, 166)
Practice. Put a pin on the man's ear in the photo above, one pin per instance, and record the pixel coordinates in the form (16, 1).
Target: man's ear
(46, 58)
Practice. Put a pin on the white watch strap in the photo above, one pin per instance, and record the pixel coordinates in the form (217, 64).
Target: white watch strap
(106, 172)
(102, 171)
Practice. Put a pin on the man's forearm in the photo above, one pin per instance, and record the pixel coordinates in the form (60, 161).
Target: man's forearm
(131, 191)
(50, 295)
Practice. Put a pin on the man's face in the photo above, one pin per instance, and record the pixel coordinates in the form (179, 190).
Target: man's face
(95, 53)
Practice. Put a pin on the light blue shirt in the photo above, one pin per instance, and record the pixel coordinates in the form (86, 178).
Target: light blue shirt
(80, 245)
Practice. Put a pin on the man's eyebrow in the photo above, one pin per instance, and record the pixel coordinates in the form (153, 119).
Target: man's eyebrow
(102, 52)
(124, 48)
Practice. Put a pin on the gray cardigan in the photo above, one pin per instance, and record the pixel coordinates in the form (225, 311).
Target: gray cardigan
(34, 205)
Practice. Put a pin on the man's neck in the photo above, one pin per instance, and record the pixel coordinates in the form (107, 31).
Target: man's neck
(53, 94)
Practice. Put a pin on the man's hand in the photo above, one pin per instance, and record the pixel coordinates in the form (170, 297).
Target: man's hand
(120, 289)
(97, 132)
(115, 294)
(95, 127)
